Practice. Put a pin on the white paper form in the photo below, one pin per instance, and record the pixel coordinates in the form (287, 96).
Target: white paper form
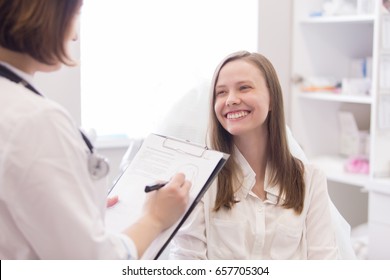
(159, 158)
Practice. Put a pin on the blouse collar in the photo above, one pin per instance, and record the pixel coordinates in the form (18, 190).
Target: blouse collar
(249, 179)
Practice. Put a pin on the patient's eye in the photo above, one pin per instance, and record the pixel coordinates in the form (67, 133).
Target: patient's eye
(245, 87)
(220, 92)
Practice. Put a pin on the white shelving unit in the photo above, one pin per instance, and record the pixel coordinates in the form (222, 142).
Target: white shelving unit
(333, 165)
(326, 96)
(325, 46)
(339, 19)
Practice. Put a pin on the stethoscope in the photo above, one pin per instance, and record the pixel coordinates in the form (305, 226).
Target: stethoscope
(98, 165)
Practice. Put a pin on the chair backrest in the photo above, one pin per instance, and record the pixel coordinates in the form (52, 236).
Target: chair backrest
(188, 117)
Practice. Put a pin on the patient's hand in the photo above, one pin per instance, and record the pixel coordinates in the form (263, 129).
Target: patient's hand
(111, 201)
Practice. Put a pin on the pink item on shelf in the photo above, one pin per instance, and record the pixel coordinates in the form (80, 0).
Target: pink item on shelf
(357, 164)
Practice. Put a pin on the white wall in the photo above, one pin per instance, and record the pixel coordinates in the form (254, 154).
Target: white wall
(275, 30)
(63, 86)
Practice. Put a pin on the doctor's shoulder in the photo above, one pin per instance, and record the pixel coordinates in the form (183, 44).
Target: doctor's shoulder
(39, 118)
(24, 108)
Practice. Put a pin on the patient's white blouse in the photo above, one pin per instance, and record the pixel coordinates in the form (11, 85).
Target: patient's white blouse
(257, 229)
(50, 208)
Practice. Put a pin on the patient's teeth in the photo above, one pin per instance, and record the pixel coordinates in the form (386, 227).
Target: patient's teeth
(237, 115)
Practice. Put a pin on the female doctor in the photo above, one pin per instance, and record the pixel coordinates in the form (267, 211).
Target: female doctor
(52, 194)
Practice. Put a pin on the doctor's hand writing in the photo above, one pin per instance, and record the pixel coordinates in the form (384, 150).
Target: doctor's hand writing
(162, 209)
(166, 205)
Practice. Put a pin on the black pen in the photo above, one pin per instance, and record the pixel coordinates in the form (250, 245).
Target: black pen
(155, 187)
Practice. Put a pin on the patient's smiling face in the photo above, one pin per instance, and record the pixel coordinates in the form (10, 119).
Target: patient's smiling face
(242, 100)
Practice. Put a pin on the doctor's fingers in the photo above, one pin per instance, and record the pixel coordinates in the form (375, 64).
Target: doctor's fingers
(177, 194)
(185, 188)
(177, 180)
(180, 184)
(111, 201)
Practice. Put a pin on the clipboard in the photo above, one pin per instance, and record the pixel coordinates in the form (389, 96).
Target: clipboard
(158, 158)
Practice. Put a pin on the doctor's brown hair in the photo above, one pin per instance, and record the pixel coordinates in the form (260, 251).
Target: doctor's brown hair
(38, 28)
(286, 171)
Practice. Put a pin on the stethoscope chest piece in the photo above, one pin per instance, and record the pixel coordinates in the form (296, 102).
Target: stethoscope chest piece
(98, 166)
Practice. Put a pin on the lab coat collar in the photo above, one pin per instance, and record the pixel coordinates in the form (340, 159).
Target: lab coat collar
(249, 179)
(27, 77)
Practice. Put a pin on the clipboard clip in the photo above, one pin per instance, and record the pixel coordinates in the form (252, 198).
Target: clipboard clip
(184, 146)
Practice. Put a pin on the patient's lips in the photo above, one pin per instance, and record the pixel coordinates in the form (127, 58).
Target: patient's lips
(236, 115)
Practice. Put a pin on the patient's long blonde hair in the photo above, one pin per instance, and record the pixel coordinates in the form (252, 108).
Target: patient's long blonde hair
(285, 170)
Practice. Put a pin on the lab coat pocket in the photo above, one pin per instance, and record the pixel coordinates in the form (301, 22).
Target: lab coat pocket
(227, 239)
(286, 242)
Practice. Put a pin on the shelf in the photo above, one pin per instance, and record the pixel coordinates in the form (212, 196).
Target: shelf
(333, 166)
(340, 19)
(330, 96)
(381, 185)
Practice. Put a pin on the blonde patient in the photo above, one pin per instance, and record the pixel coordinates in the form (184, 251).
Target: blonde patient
(265, 204)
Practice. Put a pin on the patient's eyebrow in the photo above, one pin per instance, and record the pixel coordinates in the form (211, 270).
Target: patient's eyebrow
(236, 83)
(220, 86)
